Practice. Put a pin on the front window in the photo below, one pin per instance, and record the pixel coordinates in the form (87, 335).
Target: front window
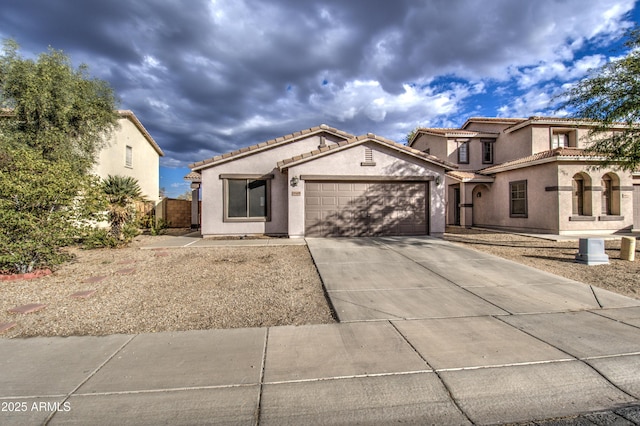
(247, 198)
(487, 152)
(463, 152)
(518, 199)
(560, 140)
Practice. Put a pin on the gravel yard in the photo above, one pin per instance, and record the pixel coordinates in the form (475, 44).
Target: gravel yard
(169, 290)
(557, 257)
(142, 291)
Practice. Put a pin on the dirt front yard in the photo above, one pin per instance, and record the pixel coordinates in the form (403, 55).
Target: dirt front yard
(141, 291)
(556, 257)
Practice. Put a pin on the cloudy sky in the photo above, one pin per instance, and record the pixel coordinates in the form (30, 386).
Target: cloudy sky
(209, 76)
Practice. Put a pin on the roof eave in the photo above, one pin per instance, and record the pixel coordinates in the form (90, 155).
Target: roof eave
(477, 179)
(558, 158)
(284, 165)
(128, 114)
(200, 165)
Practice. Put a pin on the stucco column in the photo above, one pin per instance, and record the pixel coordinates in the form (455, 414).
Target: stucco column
(466, 205)
(295, 189)
(195, 205)
(437, 221)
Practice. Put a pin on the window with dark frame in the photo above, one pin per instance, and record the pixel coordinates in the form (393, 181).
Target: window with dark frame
(518, 199)
(246, 199)
(463, 152)
(487, 152)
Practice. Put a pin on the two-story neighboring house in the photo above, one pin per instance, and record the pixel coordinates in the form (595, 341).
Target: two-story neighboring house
(131, 151)
(530, 175)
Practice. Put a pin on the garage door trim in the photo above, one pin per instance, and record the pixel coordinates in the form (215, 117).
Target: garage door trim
(350, 178)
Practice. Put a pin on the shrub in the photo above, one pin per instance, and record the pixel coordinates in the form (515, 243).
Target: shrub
(99, 238)
(121, 193)
(44, 205)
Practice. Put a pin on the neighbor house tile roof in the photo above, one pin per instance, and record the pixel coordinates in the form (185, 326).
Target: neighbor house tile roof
(359, 140)
(544, 156)
(125, 113)
(566, 121)
(466, 176)
(268, 144)
(451, 133)
(500, 120)
(193, 177)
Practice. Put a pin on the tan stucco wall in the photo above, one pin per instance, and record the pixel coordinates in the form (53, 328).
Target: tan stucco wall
(260, 163)
(146, 161)
(550, 210)
(436, 144)
(565, 176)
(347, 162)
(542, 205)
(511, 146)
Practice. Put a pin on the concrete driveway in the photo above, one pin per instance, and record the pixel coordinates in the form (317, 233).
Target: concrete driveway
(508, 342)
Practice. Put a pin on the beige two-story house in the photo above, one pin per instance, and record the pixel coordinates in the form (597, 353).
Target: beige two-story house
(131, 151)
(531, 175)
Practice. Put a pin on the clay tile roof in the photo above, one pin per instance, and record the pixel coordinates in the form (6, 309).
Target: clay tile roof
(567, 153)
(466, 176)
(355, 140)
(194, 177)
(263, 145)
(453, 133)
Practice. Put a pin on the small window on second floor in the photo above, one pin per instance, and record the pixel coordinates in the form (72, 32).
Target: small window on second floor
(487, 152)
(128, 160)
(463, 152)
(559, 140)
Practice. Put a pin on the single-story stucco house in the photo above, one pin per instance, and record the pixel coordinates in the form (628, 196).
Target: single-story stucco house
(533, 175)
(322, 182)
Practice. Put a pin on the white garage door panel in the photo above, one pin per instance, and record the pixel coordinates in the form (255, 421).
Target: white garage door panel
(366, 208)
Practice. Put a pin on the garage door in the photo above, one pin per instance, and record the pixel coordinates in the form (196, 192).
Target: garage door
(335, 209)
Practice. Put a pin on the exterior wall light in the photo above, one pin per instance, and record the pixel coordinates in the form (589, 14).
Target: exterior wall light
(294, 181)
(438, 180)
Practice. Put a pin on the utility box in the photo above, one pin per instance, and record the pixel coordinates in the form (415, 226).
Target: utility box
(628, 248)
(591, 252)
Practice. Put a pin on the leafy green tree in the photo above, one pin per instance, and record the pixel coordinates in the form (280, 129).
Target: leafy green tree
(609, 97)
(44, 205)
(121, 192)
(54, 108)
(53, 123)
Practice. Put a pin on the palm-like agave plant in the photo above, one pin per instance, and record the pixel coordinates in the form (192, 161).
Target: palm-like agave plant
(121, 193)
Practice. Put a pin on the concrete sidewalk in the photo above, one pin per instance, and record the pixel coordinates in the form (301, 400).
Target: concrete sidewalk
(432, 334)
